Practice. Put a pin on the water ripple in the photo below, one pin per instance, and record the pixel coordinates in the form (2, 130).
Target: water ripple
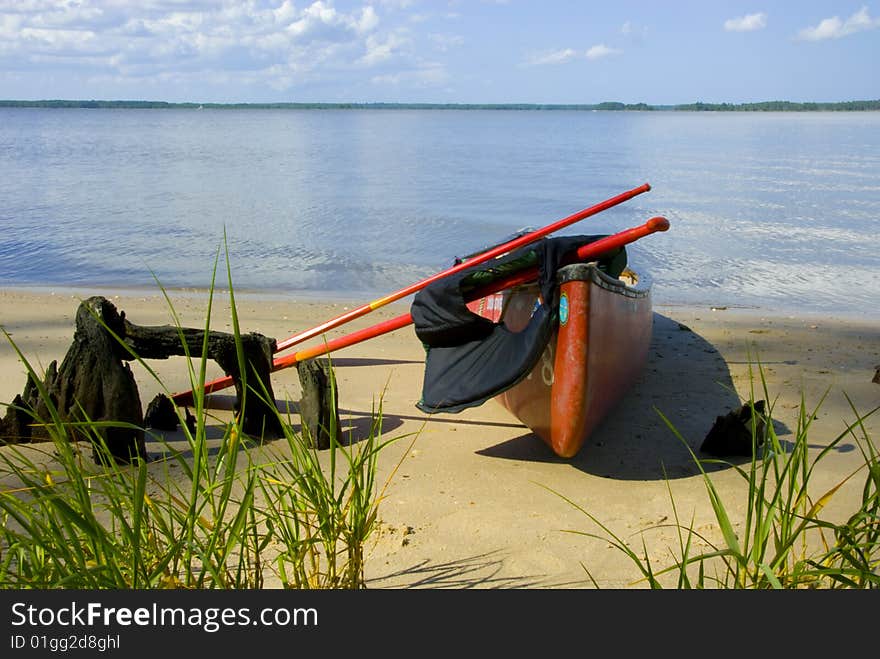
(766, 209)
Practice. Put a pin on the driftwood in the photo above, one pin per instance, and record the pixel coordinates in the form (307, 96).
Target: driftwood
(260, 418)
(318, 408)
(731, 434)
(95, 383)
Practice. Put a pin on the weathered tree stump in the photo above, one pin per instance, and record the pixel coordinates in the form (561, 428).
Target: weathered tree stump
(318, 407)
(95, 382)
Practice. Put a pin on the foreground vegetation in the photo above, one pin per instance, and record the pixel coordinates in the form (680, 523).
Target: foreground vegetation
(211, 515)
(784, 542)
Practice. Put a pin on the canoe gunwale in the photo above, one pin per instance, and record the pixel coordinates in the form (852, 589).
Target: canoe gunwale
(590, 272)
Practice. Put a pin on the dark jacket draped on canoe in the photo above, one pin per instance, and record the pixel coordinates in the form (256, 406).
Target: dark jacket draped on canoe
(470, 358)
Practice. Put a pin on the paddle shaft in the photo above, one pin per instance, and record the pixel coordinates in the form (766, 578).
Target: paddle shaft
(584, 253)
(480, 258)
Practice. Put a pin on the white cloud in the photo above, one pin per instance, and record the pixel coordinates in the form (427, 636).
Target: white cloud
(284, 13)
(60, 42)
(382, 49)
(368, 21)
(565, 55)
(266, 42)
(601, 50)
(747, 23)
(834, 28)
(321, 20)
(553, 57)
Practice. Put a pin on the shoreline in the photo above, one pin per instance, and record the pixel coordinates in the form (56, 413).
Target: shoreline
(350, 299)
(475, 502)
(853, 105)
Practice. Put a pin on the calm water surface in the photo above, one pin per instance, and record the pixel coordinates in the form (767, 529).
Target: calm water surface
(767, 210)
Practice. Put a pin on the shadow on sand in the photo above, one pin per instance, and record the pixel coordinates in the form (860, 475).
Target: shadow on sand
(686, 379)
(482, 571)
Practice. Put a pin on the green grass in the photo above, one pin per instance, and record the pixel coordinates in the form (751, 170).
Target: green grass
(236, 515)
(784, 540)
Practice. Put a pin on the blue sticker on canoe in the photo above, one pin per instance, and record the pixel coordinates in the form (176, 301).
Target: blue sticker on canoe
(563, 309)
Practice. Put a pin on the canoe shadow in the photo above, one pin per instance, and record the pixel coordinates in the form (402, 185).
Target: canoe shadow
(340, 362)
(687, 381)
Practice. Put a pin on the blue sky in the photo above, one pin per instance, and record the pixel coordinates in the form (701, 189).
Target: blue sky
(445, 51)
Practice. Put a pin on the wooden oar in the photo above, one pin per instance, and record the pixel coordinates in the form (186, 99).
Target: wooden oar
(583, 253)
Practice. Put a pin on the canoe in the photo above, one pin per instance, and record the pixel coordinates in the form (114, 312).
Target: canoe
(595, 355)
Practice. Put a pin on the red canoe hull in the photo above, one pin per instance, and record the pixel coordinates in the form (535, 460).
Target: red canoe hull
(599, 350)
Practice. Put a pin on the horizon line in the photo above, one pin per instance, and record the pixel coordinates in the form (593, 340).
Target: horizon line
(873, 104)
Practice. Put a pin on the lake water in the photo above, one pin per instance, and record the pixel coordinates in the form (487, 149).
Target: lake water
(767, 210)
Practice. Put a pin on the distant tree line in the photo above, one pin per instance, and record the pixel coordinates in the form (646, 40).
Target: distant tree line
(765, 106)
(781, 106)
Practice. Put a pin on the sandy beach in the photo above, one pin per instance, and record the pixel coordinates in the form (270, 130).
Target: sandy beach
(477, 501)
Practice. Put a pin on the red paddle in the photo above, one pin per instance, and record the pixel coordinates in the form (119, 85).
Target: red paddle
(584, 253)
(480, 258)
